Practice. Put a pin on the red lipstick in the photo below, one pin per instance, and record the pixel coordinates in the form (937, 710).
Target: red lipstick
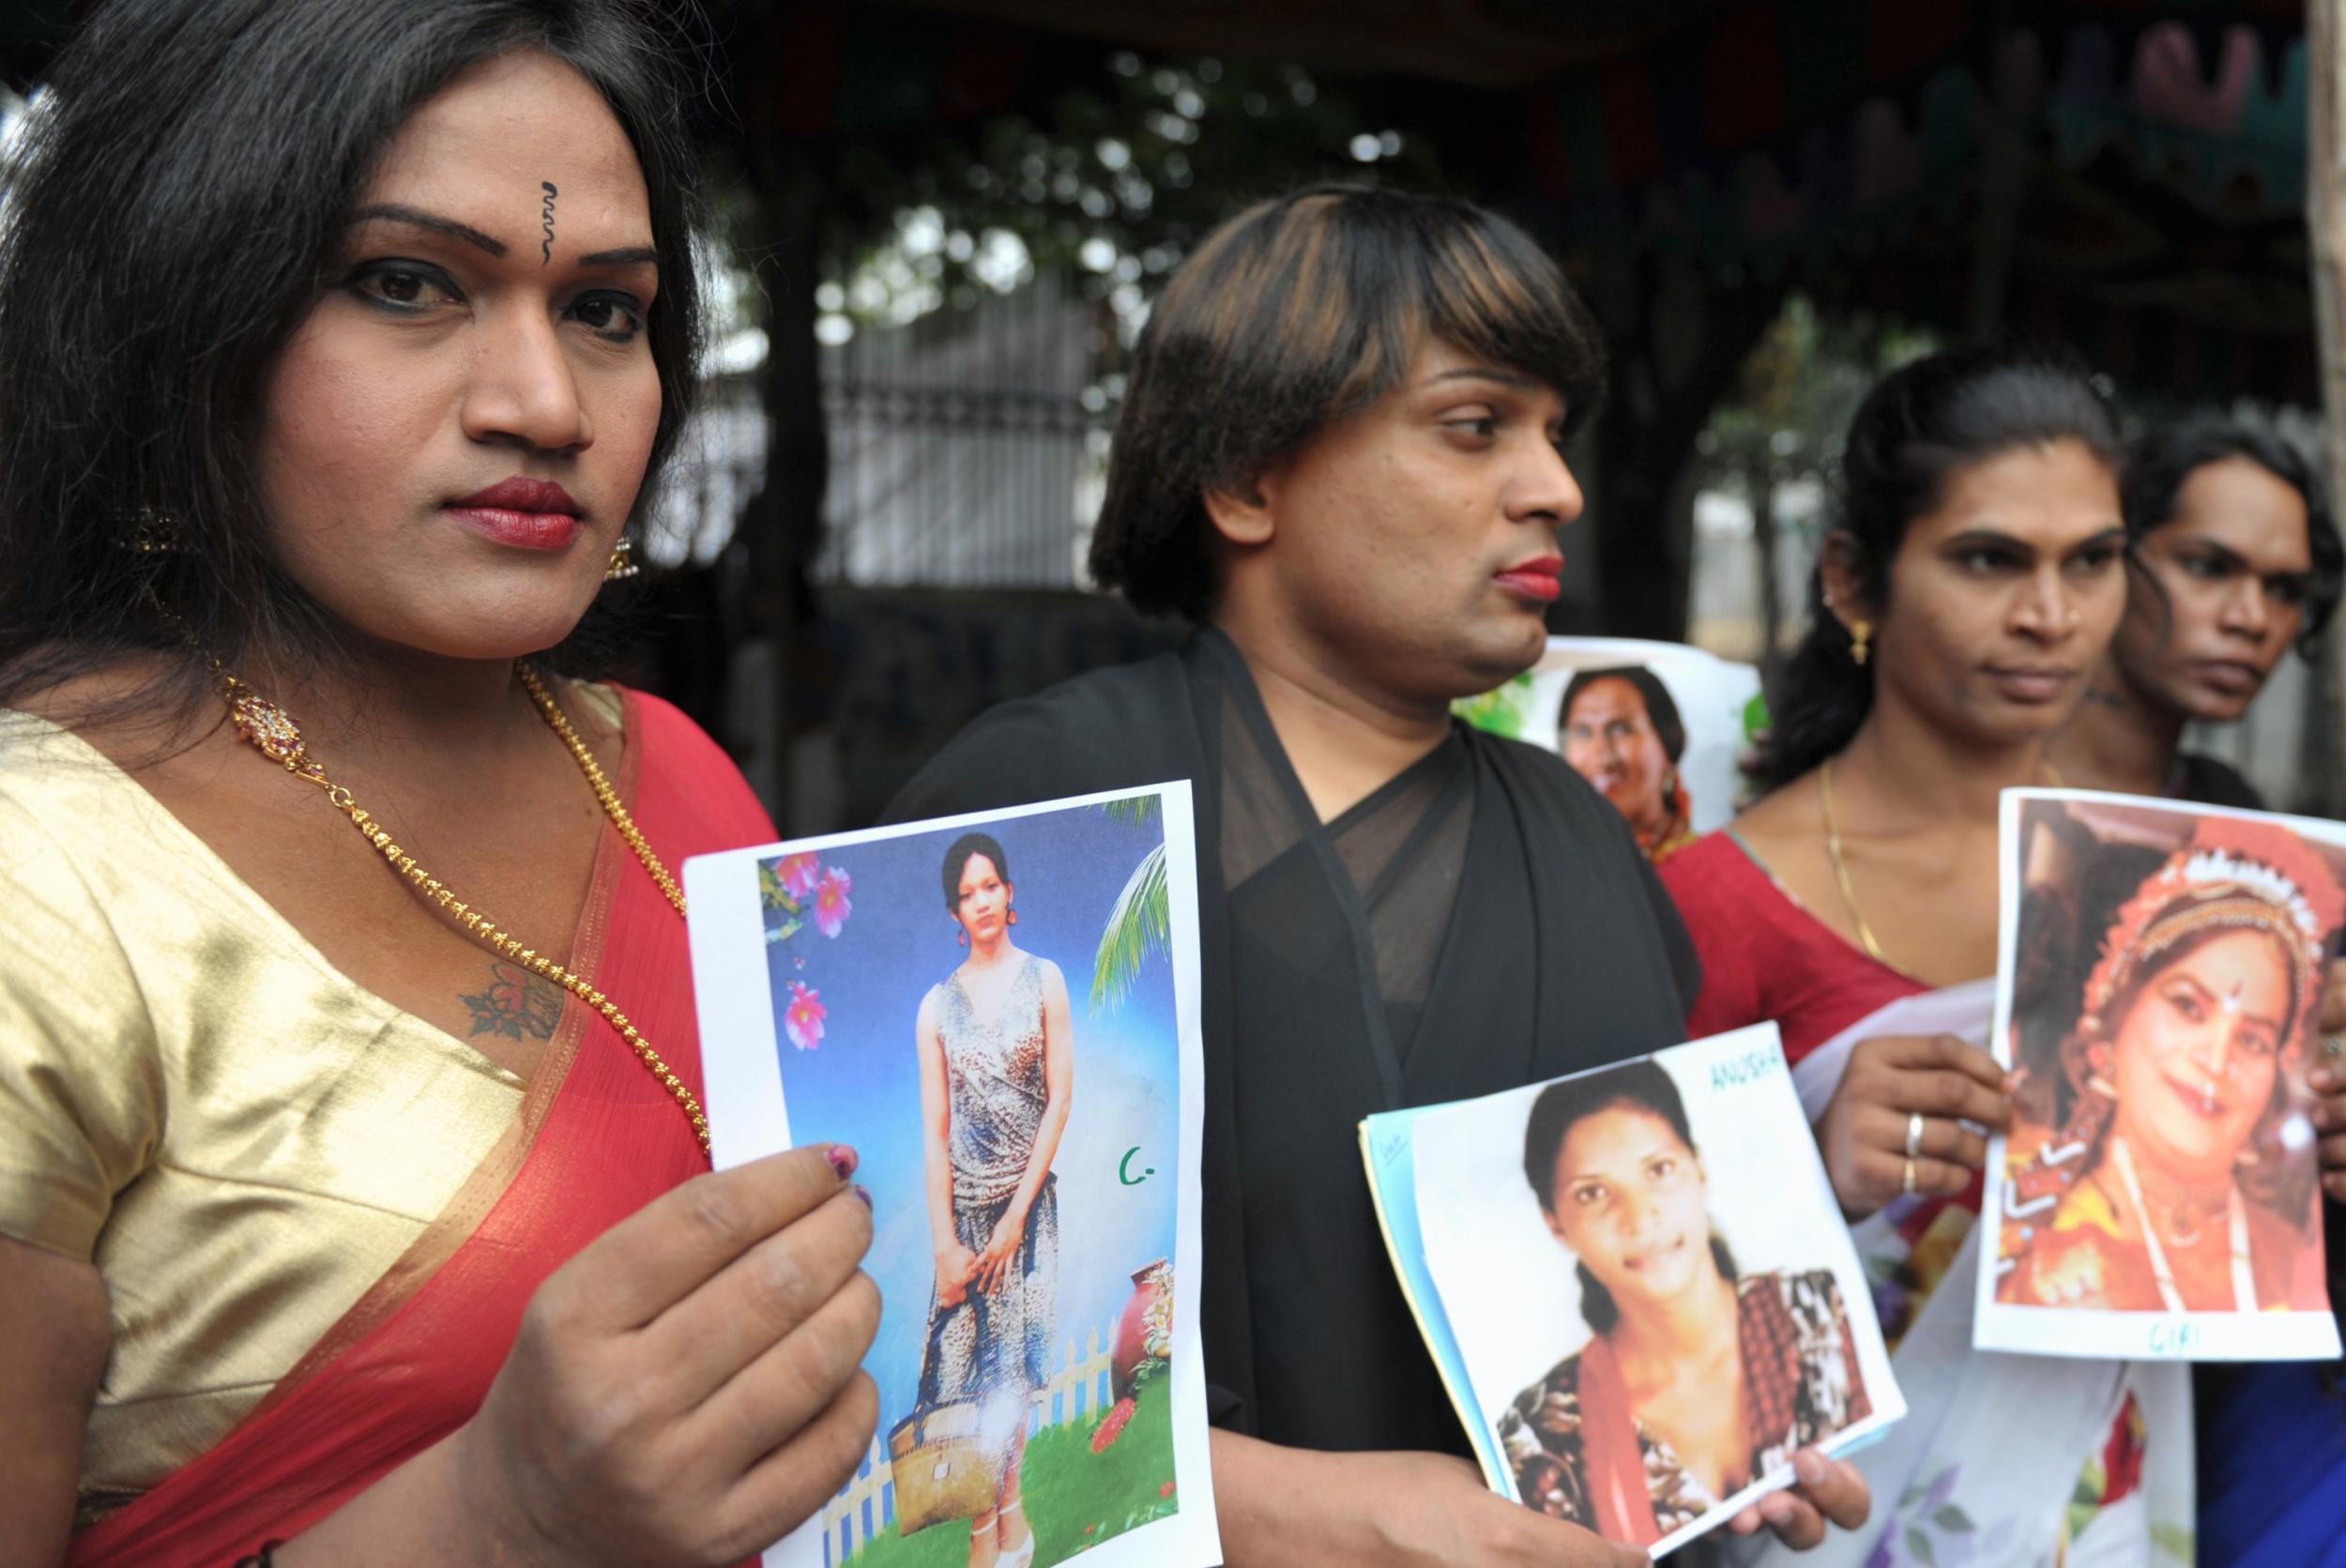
(525, 513)
(1537, 580)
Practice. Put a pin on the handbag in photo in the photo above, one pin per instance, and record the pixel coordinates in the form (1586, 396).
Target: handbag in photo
(947, 1459)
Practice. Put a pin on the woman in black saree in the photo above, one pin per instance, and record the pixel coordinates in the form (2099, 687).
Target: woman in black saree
(1338, 458)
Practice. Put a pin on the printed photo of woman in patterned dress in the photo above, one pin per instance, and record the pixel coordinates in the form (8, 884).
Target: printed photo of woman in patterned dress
(1695, 1381)
(999, 1014)
(997, 1075)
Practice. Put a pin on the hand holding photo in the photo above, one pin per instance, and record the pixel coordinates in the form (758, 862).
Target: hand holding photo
(1638, 1288)
(1025, 1105)
(2159, 996)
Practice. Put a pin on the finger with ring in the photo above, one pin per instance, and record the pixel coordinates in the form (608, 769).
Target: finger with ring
(1906, 1183)
(1913, 1136)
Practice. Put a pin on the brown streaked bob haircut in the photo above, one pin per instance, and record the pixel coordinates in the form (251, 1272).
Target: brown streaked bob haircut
(1297, 313)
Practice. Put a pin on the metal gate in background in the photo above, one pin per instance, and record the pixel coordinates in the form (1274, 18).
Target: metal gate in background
(967, 446)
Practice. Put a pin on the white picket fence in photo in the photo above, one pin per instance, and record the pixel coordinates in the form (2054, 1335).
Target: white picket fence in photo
(867, 1504)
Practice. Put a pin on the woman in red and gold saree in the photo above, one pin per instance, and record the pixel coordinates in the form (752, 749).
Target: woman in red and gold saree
(317, 1254)
(1973, 580)
(344, 1218)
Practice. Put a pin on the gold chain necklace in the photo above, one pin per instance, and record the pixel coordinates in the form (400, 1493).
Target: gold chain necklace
(1840, 867)
(273, 730)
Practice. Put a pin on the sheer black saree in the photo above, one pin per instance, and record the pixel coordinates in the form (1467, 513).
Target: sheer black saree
(1482, 920)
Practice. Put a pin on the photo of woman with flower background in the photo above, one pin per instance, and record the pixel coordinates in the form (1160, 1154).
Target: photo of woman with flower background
(989, 1013)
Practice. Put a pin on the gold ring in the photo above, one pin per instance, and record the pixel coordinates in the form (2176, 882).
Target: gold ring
(1905, 1183)
(1913, 1136)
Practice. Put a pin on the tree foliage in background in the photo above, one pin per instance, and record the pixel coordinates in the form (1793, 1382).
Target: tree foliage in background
(1111, 186)
(1786, 417)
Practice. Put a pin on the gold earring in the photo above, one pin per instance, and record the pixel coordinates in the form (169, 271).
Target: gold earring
(1861, 643)
(622, 561)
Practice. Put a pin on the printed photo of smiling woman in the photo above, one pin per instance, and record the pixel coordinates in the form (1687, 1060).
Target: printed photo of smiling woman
(2161, 1160)
(1695, 1381)
(1621, 731)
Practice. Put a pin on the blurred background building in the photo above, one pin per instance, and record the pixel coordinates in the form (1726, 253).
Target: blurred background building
(934, 229)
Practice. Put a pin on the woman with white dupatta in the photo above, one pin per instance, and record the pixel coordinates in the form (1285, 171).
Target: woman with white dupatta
(1973, 580)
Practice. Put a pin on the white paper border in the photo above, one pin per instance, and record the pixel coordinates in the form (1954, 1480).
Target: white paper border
(749, 1117)
(1886, 1400)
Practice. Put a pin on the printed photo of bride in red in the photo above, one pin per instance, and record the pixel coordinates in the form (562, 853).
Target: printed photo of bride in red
(2163, 1158)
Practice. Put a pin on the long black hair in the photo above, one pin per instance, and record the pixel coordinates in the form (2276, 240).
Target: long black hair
(2162, 461)
(1642, 1084)
(185, 170)
(1919, 425)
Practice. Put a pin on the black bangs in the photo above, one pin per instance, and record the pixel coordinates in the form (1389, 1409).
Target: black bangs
(1495, 295)
(1297, 312)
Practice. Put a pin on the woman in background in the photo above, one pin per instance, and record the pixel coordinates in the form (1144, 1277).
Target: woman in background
(1621, 731)
(340, 1221)
(1697, 1382)
(2233, 560)
(997, 1070)
(1971, 583)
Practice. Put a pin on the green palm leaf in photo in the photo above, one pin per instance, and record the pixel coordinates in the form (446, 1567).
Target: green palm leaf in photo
(1132, 808)
(1141, 922)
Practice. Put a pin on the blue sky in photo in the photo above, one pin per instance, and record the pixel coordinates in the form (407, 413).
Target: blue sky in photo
(860, 1085)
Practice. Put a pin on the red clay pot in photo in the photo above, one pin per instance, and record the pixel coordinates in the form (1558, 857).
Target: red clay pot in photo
(1151, 1285)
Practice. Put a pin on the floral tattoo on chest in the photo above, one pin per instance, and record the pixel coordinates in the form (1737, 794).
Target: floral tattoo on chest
(515, 1004)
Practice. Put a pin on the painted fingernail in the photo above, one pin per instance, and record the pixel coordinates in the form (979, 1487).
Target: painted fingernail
(865, 1193)
(841, 1160)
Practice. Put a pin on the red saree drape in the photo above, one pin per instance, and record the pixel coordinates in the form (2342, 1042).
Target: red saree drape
(1609, 1435)
(597, 1139)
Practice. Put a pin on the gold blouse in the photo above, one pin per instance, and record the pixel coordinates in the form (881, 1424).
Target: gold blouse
(237, 1135)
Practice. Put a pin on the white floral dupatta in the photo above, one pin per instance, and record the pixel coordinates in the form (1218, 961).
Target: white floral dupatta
(2000, 1459)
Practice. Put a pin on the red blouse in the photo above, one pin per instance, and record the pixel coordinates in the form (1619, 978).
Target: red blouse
(1766, 957)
